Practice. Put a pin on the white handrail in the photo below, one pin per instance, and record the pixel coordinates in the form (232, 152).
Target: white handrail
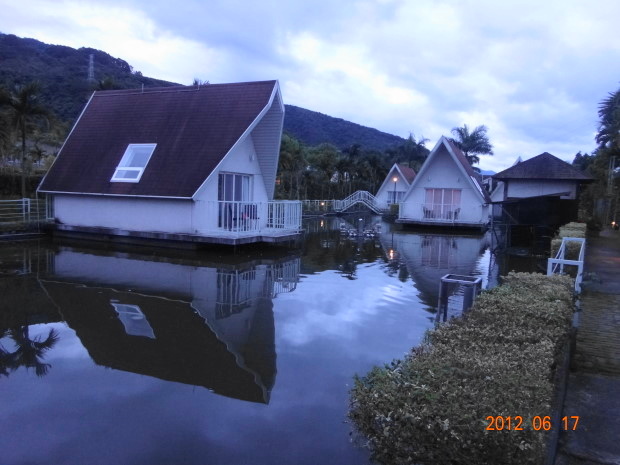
(24, 211)
(560, 261)
(363, 197)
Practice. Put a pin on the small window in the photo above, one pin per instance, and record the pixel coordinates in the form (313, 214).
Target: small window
(133, 163)
(133, 320)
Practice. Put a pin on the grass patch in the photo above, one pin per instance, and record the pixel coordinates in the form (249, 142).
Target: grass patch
(431, 407)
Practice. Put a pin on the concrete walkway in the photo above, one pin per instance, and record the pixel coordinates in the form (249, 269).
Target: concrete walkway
(593, 391)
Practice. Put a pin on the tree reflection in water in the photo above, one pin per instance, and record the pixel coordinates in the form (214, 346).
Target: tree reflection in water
(28, 352)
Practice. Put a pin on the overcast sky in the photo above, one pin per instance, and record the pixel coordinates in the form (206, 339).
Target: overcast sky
(532, 71)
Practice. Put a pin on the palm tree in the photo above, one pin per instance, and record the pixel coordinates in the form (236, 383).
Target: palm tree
(29, 352)
(609, 126)
(472, 143)
(24, 109)
(415, 151)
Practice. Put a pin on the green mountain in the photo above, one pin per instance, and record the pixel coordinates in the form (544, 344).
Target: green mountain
(314, 128)
(63, 74)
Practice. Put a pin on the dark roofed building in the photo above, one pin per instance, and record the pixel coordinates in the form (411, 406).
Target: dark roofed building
(541, 191)
(543, 166)
(542, 175)
(195, 163)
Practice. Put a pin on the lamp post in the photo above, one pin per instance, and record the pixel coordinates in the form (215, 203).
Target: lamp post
(395, 179)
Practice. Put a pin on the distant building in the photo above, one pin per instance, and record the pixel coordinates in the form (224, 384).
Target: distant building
(543, 190)
(193, 164)
(446, 192)
(395, 185)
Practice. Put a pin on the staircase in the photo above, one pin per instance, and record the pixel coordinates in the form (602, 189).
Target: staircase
(363, 197)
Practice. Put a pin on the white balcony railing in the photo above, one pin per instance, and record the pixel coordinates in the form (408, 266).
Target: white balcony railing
(441, 213)
(246, 218)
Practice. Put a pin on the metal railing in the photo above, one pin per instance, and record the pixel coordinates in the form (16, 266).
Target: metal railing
(441, 213)
(242, 218)
(25, 211)
(285, 277)
(285, 214)
(557, 264)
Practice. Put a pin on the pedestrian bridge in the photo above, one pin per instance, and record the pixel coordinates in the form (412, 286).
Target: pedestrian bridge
(358, 198)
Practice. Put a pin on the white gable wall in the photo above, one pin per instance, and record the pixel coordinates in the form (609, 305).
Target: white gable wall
(241, 160)
(443, 173)
(531, 188)
(266, 137)
(388, 186)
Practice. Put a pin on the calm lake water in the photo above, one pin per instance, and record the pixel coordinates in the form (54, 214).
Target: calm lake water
(146, 356)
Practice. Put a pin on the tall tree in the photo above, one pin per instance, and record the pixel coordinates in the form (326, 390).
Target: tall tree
(472, 143)
(24, 110)
(323, 159)
(609, 125)
(415, 151)
(291, 167)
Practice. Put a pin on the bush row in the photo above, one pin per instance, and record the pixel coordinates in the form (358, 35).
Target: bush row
(10, 184)
(498, 360)
(568, 230)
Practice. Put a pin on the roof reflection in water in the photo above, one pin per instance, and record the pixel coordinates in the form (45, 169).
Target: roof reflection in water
(189, 321)
(428, 257)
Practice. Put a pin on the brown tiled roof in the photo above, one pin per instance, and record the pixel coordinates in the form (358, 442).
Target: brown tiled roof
(408, 173)
(194, 127)
(543, 166)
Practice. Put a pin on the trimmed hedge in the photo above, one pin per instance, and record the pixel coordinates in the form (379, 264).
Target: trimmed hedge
(10, 184)
(498, 360)
(568, 230)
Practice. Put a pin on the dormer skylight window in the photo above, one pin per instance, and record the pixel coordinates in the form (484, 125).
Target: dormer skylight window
(133, 163)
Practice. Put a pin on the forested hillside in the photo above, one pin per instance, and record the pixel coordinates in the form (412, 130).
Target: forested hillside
(314, 128)
(63, 72)
(65, 88)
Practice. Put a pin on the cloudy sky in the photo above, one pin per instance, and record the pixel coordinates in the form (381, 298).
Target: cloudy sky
(532, 71)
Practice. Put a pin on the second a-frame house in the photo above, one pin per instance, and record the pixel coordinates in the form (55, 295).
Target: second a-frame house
(446, 192)
(395, 185)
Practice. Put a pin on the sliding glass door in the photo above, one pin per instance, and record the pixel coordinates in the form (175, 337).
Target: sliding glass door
(233, 193)
(442, 204)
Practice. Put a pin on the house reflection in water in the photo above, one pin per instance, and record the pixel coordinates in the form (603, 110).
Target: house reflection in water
(428, 257)
(188, 321)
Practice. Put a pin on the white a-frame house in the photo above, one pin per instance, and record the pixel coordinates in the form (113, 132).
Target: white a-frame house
(446, 191)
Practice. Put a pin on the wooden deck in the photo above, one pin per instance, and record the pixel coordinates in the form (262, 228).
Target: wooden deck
(433, 223)
(222, 237)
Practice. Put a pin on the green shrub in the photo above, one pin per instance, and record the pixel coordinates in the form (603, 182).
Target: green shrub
(568, 230)
(431, 407)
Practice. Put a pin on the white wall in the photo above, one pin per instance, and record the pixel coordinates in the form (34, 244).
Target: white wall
(533, 188)
(133, 214)
(444, 173)
(242, 160)
(386, 187)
